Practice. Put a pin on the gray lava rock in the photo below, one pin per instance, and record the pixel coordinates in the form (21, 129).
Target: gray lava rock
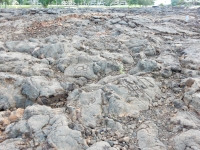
(137, 45)
(192, 95)
(81, 70)
(11, 98)
(88, 104)
(101, 146)
(14, 144)
(24, 64)
(21, 46)
(144, 65)
(166, 72)
(123, 99)
(49, 50)
(187, 119)
(191, 56)
(189, 139)
(132, 24)
(147, 137)
(114, 21)
(39, 86)
(45, 125)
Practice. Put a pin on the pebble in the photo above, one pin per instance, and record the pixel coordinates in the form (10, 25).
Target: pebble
(126, 139)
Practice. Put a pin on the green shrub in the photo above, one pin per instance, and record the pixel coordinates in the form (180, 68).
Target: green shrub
(45, 3)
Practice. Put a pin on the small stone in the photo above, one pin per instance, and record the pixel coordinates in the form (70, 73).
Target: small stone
(19, 112)
(111, 143)
(159, 103)
(92, 142)
(166, 72)
(123, 148)
(155, 104)
(115, 142)
(13, 118)
(131, 147)
(6, 122)
(189, 82)
(93, 132)
(185, 108)
(118, 147)
(126, 139)
(118, 134)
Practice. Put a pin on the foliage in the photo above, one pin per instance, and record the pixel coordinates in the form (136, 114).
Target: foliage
(146, 2)
(56, 2)
(181, 2)
(161, 4)
(26, 3)
(174, 2)
(4, 1)
(20, 2)
(78, 2)
(132, 2)
(45, 3)
(140, 2)
(109, 2)
(86, 2)
(121, 70)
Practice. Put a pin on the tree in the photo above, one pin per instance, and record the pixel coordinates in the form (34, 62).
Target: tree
(109, 2)
(174, 2)
(86, 2)
(6, 2)
(45, 3)
(78, 2)
(20, 2)
(146, 2)
(132, 2)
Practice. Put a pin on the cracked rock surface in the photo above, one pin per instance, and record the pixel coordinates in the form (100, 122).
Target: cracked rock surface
(99, 79)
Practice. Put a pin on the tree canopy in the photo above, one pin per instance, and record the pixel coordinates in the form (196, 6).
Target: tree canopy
(109, 2)
(140, 2)
(45, 3)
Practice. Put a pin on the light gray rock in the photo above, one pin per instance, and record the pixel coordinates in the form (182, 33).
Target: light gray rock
(88, 106)
(140, 21)
(24, 64)
(21, 46)
(170, 60)
(115, 126)
(101, 146)
(132, 24)
(80, 64)
(46, 125)
(80, 70)
(144, 65)
(114, 21)
(125, 58)
(49, 50)
(166, 72)
(187, 119)
(2, 47)
(190, 58)
(187, 140)
(163, 29)
(136, 45)
(147, 137)
(192, 95)
(40, 86)
(123, 99)
(10, 92)
(122, 23)
(14, 144)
